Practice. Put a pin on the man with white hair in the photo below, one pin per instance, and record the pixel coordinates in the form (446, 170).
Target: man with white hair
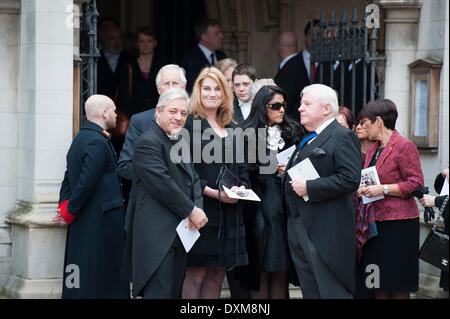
(91, 204)
(169, 76)
(165, 194)
(321, 229)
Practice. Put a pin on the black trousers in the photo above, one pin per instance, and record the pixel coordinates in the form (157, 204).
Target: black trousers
(166, 282)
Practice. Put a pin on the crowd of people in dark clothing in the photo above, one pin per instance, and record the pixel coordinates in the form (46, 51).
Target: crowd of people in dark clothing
(316, 233)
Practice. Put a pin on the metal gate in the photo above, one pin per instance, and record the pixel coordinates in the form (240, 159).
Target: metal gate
(347, 58)
(89, 54)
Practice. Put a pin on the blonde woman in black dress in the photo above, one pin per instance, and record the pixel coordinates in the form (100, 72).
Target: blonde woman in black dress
(221, 245)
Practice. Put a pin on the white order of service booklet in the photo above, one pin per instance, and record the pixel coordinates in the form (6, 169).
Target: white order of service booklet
(369, 177)
(304, 170)
(187, 236)
(285, 156)
(245, 194)
(444, 190)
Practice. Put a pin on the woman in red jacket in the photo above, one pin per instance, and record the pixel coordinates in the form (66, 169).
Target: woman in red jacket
(396, 248)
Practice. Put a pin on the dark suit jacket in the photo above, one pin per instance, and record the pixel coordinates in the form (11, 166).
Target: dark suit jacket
(165, 194)
(95, 240)
(292, 78)
(194, 62)
(107, 80)
(139, 123)
(329, 215)
(237, 113)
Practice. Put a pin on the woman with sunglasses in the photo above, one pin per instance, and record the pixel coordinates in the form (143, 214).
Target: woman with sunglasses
(271, 254)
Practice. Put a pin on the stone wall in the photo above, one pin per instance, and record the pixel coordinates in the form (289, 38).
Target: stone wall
(9, 37)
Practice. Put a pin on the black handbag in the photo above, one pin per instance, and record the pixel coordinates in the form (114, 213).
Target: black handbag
(227, 178)
(434, 249)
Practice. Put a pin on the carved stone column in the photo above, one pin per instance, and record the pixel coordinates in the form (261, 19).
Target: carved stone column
(401, 20)
(44, 117)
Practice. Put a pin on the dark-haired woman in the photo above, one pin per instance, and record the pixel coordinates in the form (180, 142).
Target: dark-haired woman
(395, 250)
(137, 86)
(346, 118)
(272, 256)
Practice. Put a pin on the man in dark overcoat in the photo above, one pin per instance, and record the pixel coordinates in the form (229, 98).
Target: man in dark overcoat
(321, 227)
(91, 204)
(165, 193)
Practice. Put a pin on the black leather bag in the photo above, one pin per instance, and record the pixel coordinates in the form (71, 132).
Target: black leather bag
(434, 249)
(227, 178)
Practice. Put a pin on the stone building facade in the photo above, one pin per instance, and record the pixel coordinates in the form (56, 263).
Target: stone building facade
(37, 93)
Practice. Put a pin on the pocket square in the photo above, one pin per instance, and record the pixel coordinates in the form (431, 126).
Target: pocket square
(318, 152)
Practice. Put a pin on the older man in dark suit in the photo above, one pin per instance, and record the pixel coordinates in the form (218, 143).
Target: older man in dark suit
(166, 193)
(206, 53)
(321, 230)
(169, 76)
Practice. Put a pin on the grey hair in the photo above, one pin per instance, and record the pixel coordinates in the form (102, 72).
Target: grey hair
(171, 66)
(257, 85)
(325, 95)
(173, 94)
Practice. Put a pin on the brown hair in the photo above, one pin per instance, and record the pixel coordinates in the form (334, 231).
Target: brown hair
(245, 69)
(349, 117)
(224, 113)
(385, 109)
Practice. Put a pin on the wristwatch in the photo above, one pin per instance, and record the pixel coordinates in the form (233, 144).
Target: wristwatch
(385, 189)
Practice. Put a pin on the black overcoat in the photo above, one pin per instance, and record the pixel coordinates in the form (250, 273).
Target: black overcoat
(95, 240)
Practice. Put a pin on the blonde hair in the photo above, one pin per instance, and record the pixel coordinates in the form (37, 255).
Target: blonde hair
(224, 113)
(224, 64)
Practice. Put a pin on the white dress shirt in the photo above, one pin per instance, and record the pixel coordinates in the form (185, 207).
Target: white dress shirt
(112, 59)
(207, 52)
(321, 128)
(287, 59)
(245, 108)
(307, 59)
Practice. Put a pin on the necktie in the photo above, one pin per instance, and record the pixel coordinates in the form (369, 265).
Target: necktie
(314, 72)
(306, 139)
(213, 59)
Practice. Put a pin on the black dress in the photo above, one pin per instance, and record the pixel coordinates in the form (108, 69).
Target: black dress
(394, 251)
(222, 240)
(144, 94)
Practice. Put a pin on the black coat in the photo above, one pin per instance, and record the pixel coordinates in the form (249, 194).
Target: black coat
(237, 113)
(194, 62)
(260, 214)
(292, 78)
(107, 80)
(329, 215)
(95, 240)
(144, 94)
(164, 193)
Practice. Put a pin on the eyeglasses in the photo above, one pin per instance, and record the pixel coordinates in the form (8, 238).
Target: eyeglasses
(277, 105)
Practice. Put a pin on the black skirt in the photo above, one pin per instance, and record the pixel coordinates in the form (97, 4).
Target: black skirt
(396, 253)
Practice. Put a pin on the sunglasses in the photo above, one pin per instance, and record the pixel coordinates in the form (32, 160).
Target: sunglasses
(276, 106)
